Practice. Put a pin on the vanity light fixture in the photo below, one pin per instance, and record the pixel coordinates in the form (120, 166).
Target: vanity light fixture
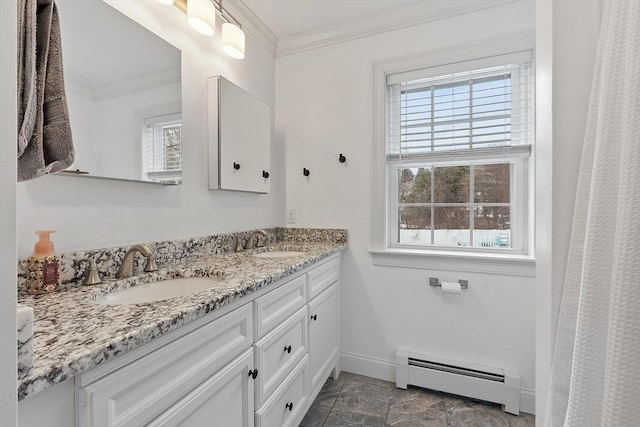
(202, 16)
(233, 40)
(233, 37)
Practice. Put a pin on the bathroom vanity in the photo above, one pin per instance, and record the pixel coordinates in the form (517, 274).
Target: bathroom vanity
(254, 349)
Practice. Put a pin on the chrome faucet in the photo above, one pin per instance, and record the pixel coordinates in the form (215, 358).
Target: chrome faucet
(249, 244)
(126, 269)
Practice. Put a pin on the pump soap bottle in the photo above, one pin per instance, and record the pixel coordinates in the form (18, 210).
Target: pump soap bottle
(43, 267)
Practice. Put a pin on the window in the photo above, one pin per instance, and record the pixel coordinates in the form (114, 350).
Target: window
(163, 149)
(457, 150)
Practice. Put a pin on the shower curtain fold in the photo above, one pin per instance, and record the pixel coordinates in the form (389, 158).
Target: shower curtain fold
(595, 379)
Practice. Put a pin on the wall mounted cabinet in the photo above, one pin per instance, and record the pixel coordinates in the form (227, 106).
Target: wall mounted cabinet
(239, 138)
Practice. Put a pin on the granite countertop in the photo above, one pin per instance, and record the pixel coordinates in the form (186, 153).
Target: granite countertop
(72, 334)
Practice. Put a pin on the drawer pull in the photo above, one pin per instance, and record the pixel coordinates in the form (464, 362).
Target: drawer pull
(288, 349)
(253, 373)
(289, 406)
(314, 317)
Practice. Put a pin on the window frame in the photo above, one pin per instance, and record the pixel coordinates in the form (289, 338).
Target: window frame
(517, 204)
(485, 51)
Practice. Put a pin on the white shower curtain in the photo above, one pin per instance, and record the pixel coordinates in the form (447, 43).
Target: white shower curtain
(595, 379)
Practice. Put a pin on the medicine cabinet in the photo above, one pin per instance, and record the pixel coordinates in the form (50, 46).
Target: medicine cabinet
(239, 139)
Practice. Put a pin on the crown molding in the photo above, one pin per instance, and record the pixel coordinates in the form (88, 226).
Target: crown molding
(372, 25)
(252, 24)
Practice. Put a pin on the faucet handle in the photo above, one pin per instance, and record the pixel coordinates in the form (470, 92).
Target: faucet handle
(91, 277)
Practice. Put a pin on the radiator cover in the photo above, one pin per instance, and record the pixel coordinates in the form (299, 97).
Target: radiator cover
(491, 384)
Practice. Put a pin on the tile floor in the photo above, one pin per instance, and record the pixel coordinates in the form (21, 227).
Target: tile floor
(354, 400)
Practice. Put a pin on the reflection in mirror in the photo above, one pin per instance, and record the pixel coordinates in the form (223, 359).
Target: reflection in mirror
(124, 95)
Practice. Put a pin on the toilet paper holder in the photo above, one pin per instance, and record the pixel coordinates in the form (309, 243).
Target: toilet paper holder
(434, 281)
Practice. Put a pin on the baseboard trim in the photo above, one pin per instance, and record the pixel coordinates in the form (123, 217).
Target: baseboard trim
(369, 366)
(528, 401)
(386, 370)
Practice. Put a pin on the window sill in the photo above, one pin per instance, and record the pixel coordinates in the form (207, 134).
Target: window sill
(503, 264)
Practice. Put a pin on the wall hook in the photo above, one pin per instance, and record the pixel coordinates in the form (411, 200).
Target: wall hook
(305, 172)
(265, 174)
(236, 166)
(342, 158)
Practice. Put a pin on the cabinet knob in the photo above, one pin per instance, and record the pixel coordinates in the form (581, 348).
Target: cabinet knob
(289, 406)
(253, 373)
(265, 174)
(287, 349)
(236, 166)
(314, 317)
(305, 172)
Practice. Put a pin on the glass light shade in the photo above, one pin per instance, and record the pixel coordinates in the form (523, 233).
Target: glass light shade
(202, 16)
(167, 2)
(233, 40)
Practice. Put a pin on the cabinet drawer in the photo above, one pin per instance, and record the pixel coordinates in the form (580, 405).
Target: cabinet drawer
(278, 352)
(286, 407)
(136, 393)
(320, 278)
(222, 400)
(276, 306)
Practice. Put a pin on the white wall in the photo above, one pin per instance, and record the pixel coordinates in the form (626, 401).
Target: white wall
(8, 362)
(324, 107)
(96, 213)
(567, 38)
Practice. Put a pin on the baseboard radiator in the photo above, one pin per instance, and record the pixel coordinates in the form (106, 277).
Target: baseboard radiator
(465, 379)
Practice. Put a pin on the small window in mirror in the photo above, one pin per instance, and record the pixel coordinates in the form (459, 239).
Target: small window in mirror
(162, 149)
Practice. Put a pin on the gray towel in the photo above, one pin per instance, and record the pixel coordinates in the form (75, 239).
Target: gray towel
(44, 133)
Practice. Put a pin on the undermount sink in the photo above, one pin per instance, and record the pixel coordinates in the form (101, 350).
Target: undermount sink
(158, 291)
(277, 254)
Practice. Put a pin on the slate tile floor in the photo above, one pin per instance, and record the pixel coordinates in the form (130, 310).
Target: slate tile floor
(354, 400)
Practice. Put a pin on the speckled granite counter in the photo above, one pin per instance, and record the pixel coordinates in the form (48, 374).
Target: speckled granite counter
(72, 334)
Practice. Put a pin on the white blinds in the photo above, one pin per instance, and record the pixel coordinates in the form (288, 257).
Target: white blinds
(470, 113)
(163, 147)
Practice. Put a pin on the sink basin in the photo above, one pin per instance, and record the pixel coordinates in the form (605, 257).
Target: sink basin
(277, 254)
(158, 291)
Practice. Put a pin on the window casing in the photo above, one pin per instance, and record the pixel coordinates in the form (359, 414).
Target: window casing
(457, 157)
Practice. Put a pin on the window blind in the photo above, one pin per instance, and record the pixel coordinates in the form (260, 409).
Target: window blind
(163, 147)
(469, 114)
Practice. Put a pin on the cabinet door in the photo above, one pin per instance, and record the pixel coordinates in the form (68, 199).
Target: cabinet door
(137, 392)
(324, 333)
(239, 139)
(223, 400)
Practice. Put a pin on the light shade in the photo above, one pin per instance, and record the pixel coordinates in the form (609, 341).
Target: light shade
(202, 16)
(233, 40)
(167, 2)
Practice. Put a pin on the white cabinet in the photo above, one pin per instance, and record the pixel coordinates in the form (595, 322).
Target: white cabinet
(324, 334)
(261, 360)
(278, 305)
(287, 406)
(222, 400)
(129, 393)
(239, 139)
(278, 353)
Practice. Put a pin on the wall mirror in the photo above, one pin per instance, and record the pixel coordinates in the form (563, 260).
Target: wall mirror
(123, 85)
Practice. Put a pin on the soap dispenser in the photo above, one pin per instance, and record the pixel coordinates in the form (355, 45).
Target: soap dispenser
(43, 267)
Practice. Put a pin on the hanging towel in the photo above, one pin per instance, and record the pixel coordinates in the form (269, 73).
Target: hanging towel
(44, 132)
